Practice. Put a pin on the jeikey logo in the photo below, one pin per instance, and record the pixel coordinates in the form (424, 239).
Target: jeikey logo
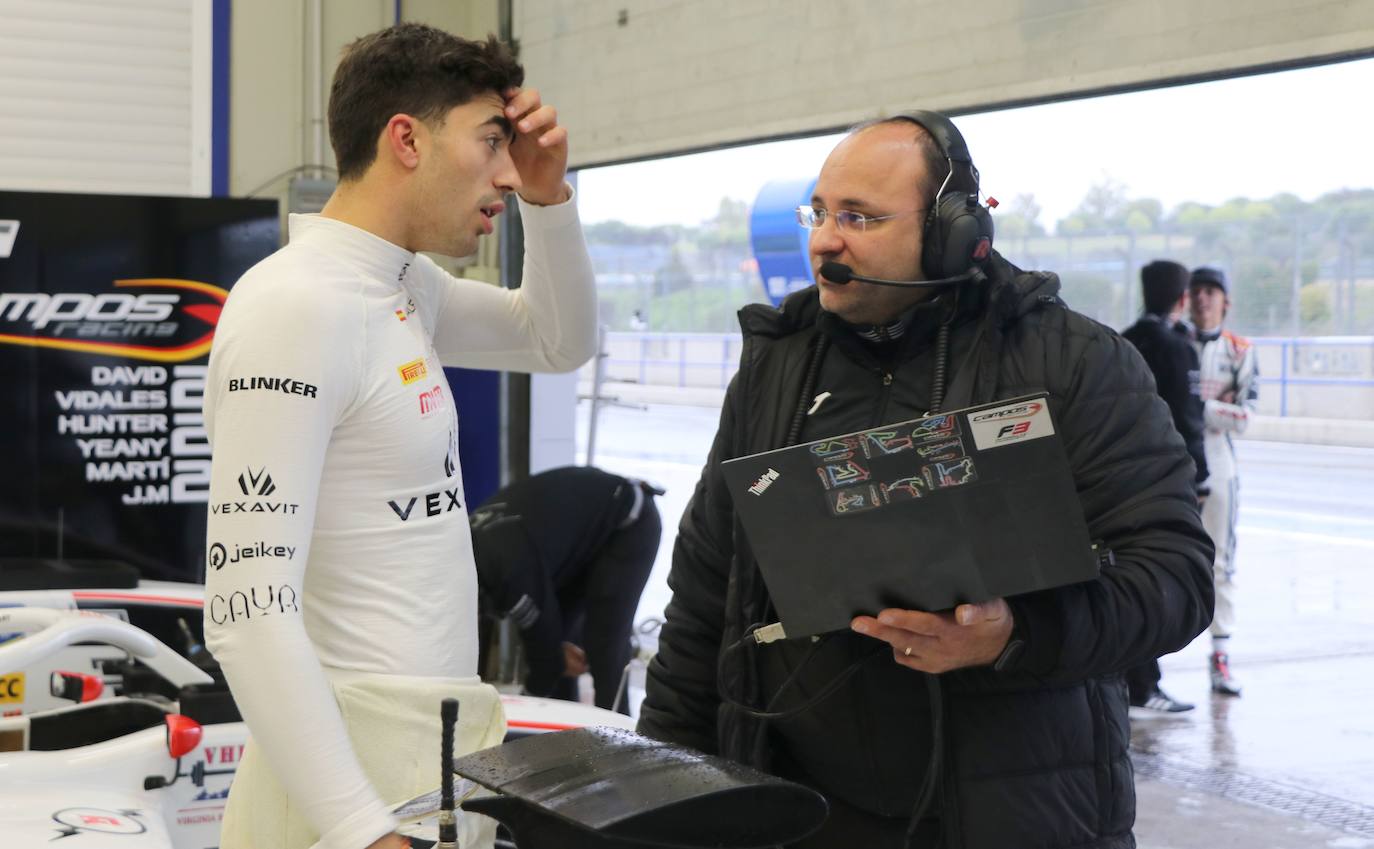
(139, 325)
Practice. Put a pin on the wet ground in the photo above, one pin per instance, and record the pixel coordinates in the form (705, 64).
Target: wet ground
(1288, 764)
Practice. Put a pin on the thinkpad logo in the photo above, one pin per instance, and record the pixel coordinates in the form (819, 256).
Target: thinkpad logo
(259, 483)
(765, 480)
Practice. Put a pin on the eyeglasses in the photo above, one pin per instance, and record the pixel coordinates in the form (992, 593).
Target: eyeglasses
(811, 218)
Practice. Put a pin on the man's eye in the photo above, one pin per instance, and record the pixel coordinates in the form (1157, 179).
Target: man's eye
(494, 142)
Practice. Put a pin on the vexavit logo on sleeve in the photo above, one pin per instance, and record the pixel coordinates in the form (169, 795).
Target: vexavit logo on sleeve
(161, 326)
(255, 482)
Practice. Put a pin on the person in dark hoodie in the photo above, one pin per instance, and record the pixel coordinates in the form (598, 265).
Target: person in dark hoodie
(987, 726)
(1163, 340)
(565, 554)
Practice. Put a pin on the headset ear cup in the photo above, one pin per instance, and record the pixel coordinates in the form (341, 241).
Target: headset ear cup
(964, 231)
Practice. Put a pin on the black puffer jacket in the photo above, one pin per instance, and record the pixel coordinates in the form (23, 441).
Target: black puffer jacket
(1034, 757)
(1173, 361)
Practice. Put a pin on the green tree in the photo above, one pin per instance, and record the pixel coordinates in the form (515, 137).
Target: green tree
(1103, 209)
(1020, 219)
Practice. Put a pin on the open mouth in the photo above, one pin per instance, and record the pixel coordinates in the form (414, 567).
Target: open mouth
(488, 213)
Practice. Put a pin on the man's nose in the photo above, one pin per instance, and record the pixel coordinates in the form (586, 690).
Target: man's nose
(507, 175)
(826, 239)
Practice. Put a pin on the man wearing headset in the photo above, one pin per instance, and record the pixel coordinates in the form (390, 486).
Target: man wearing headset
(1033, 746)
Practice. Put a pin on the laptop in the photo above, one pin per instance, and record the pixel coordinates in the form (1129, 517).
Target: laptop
(925, 514)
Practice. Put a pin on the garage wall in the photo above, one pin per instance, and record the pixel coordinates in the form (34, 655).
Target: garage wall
(107, 98)
(636, 78)
(279, 82)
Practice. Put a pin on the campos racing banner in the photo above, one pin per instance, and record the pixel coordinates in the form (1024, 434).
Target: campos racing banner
(108, 306)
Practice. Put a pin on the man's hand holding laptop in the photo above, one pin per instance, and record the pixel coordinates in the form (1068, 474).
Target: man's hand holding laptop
(970, 635)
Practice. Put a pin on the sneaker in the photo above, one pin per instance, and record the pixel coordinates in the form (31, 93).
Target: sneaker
(1161, 702)
(1222, 680)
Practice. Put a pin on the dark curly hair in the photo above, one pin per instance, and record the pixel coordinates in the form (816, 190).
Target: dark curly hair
(413, 69)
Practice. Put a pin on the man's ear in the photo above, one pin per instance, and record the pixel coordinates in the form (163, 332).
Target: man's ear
(399, 140)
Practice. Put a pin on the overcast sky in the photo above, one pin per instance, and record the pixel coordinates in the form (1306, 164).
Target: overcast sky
(1307, 132)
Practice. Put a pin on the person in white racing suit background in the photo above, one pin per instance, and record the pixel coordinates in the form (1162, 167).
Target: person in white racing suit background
(1230, 390)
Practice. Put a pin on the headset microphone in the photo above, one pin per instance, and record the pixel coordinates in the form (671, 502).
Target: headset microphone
(838, 272)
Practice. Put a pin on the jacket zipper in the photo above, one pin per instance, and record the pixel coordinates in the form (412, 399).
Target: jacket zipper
(883, 397)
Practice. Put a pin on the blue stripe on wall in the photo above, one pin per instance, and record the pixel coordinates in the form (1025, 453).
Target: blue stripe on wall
(477, 396)
(219, 98)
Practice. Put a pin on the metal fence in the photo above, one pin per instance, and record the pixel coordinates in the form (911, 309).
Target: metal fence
(1309, 376)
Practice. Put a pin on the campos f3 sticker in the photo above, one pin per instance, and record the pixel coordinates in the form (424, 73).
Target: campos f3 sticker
(1016, 422)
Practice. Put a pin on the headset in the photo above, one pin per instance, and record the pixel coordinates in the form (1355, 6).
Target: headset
(957, 234)
(958, 229)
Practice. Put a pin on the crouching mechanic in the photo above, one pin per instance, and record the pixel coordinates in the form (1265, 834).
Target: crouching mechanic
(1032, 749)
(336, 501)
(1230, 391)
(565, 553)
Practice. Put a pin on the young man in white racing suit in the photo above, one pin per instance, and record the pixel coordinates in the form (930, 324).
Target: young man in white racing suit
(1230, 389)
(337, 511)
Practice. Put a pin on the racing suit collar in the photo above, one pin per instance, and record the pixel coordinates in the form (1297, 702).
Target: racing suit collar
(374, 256)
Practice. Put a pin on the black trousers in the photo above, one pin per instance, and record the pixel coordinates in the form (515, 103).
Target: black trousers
(1142, 681)
(599, 610)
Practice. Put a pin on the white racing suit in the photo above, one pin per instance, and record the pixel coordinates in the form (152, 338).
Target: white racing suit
(1230, 389)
